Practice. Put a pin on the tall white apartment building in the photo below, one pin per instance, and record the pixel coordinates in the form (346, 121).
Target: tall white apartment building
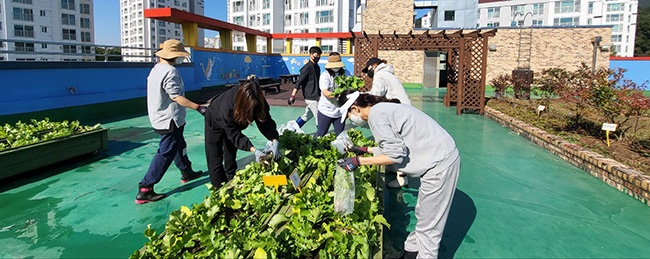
(46, 30)
(620, 14)
(293, 16)
(144, 35)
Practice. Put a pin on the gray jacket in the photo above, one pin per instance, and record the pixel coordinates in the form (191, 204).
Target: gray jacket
(385, 83)
(409, 137)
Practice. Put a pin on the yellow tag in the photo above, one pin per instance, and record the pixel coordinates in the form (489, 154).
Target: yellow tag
(275, 180)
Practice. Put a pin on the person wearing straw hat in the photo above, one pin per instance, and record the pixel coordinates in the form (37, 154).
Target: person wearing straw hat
(166, 105)
(417, 145)
(328, 112)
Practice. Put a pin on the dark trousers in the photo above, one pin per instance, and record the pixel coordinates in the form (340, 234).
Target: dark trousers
(324, 123)
(221, 155)
(171, 148)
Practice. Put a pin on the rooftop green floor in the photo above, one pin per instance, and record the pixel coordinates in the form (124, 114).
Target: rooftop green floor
(514, 199)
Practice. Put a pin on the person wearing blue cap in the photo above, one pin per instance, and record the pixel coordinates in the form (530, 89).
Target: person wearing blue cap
(415, 144)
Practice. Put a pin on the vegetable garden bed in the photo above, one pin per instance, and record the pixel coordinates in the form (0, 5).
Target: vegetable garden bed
(246, 219)
(27, 147)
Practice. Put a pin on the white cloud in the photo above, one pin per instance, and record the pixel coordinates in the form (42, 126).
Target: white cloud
(285, 58)
(351, 60)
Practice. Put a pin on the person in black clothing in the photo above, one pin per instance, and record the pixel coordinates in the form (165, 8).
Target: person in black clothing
(227, 115)
(308, 82)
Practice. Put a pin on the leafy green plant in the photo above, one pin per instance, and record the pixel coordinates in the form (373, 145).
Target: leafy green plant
(21, 134)
(347, 83)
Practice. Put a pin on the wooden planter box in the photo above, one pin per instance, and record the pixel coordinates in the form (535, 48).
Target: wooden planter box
(22, 159)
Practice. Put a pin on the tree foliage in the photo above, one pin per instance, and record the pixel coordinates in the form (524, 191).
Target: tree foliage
(642, 42)
(113, 54)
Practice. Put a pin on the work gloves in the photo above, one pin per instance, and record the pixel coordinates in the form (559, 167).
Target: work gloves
(358, 150)
(260, 155)
(291, 100)
(273, 146)
(349, 164)
(202, 109)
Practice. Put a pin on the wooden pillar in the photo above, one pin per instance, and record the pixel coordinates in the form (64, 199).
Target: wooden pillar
(288, 45)
(226, 39)
(318, 41)
(461, 75)
(269, 45)
(348, 46)
(251, 42)
(191, 34)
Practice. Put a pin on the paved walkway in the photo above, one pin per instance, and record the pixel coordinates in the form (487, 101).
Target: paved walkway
(514, 199)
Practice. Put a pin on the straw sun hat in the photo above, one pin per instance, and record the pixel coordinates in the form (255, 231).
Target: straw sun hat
(334, 61)
(172, 48)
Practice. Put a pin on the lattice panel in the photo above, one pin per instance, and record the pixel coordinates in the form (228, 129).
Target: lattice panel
(473, 92)
(363, 52)
(453, 61)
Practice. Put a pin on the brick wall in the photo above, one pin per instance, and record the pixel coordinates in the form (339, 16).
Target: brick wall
(407, 64)
(388, 16)
(552, 47)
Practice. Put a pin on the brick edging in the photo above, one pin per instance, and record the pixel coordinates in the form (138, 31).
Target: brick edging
(612, 172)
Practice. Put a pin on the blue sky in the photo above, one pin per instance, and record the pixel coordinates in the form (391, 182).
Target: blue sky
(107, 19)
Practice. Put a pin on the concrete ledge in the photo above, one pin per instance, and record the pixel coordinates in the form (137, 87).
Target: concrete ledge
(614, 173)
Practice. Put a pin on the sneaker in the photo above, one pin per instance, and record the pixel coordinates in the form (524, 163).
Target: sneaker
(147, 194)
(400, 181)
(189, 175)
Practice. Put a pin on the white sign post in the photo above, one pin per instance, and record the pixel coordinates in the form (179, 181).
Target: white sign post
(607, 127)
(540, 109)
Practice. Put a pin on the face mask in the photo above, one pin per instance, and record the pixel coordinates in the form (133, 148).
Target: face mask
(336, 69)
(371, 73)
(356, 120)
(179, 60)
(316, 59)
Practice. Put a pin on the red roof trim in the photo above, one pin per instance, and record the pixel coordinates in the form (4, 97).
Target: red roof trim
(320, 35)
(179, 16)
(629, 58)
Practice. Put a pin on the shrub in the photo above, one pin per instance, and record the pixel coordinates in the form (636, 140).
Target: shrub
(501, 83)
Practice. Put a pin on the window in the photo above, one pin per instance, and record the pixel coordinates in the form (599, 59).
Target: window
(538, 23)
(86, 50)
(43, 14)
(617, 28)
(84, 8)
(69, 34)
(304, 18)
(23, 14)
(517, 23)
(43, 46)
(493, 24)
(238, 6)
(568, 21)
(450, 15)
(567, 6)
(590, 10)
(325, 29)
(43, 29)
(304, 49)
(239, 20)
(324, 17)
(617, 38)
(288, 4)
(85, 23)
(494, 12)
(85, 36)
(321, 2)
(69, 49)
(161, 23)
(615, 7)
(68, 19)
(327, 48)
(521, 9)
(266, 4)
(287, 20)
(251, 21)
(23, 31)
(538, 9)
(67, 4)
(614, 18)
(23, 1)
(266, 19)
(590, 21)
(23, 46)
(304, 3)
(617, 48)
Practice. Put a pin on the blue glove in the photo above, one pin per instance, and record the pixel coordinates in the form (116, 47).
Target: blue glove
(349, 164)
(259, 155)
(274, 147)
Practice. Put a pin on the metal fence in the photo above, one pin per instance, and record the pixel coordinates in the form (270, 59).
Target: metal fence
(37, 50)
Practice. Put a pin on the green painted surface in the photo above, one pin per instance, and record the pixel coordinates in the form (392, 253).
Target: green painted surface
(412, 85)
(514, 199)
(646, 93)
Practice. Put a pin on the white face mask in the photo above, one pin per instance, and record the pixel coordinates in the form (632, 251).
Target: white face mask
(179, 60)
(335, 69)
(356, 120)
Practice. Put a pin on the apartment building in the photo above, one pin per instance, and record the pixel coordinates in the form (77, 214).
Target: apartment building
(293, 16)
(620, 14)
(144, 35)
(448, 13)
(56, 30)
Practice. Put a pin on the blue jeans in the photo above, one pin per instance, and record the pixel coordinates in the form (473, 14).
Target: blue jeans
(171, 148)
(324, 123)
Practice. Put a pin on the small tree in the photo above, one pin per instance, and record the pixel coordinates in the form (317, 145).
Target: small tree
(501, 83)
(549, 82)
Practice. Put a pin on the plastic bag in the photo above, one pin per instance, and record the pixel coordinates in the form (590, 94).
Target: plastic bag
(343, 191)
(290, 126)
(342, 142)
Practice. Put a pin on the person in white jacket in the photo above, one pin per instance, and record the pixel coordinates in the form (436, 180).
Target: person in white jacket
(386, 84)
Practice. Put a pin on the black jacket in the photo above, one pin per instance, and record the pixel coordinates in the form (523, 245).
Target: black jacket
(219, 117)
(308, 81)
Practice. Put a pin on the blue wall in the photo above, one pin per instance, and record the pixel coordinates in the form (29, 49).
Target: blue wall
(637, 70)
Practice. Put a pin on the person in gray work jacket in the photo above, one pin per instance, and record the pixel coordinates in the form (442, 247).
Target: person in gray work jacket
(308, 82)
(417, 145)
(166, 105)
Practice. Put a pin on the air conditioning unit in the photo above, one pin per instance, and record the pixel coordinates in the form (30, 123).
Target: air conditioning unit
(605, 48)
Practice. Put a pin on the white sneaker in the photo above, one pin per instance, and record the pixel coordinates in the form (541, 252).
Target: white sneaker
(400, 181)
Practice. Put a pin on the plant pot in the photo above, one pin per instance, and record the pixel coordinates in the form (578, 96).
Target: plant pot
(26, 158)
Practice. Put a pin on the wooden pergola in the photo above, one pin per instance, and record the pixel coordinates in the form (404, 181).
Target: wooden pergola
(466, 60)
